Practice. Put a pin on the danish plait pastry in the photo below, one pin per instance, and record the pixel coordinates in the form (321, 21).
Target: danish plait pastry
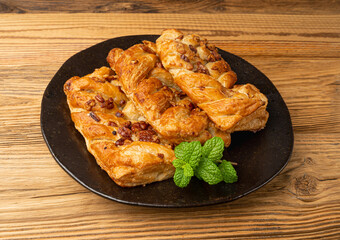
(152, 89)
(207, 79)
(156, 97)
(128, 149)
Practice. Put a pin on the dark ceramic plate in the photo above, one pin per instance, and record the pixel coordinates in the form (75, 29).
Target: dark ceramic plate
(260, 156)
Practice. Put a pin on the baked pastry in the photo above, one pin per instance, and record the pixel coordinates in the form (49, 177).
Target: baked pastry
(207, 79)
(126, 147)
(178, 90)
(152, 89)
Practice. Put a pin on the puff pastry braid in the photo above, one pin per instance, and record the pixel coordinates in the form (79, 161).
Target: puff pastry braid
(125, 147)
(207, 79)
(152, 89)
(132, 121)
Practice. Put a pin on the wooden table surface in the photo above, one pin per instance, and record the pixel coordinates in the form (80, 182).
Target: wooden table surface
(295, 43)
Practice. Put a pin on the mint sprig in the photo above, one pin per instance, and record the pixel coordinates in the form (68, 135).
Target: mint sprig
(203, 162)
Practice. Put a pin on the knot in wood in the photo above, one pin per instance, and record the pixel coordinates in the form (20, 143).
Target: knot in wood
(306, 185)
(309, 160)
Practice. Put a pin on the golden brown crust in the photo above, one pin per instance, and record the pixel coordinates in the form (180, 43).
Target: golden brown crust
(132, 121)
(152, 91)
(161, 101)
(190, 52)
(208, 81)
(252, 120)
(138, 163)
(125, 147)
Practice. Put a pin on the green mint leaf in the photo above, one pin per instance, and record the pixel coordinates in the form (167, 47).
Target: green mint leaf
(209, 172)
(187, 170)
(189, 152)
(180, 179)
(178, 163)
(203, 162)
(195, 153)
(181, 150)
(213, 149)
(228, 172)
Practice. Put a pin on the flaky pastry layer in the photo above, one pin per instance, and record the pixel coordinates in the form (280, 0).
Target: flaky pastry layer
(153, 91)
(128, 149)
(207, 79)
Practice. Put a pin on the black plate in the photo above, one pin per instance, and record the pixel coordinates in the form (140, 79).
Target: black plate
(260, 156)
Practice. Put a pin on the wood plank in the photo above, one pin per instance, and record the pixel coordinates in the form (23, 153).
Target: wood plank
(169, 6)
(59, 33)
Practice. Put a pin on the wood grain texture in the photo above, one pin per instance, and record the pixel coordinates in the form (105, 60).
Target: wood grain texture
(172, 6)
(299, 53)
